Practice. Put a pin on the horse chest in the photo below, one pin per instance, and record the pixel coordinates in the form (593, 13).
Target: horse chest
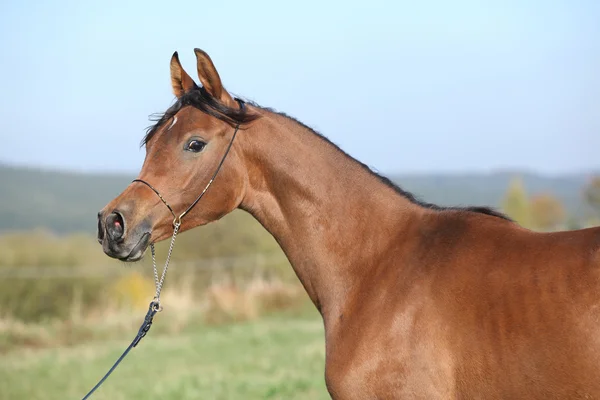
(371, 363)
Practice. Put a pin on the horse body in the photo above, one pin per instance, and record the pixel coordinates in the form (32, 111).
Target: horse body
(473, 324)
(417, 301)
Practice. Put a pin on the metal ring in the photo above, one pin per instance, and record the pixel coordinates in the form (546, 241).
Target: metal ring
(156, 306)
(177, 221)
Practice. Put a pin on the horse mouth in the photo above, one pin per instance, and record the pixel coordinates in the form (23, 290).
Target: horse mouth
(138, 250)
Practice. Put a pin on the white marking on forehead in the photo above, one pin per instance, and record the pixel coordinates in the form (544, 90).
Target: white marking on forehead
(172, 123)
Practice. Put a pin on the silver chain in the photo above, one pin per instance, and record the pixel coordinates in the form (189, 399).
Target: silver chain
(157, 282)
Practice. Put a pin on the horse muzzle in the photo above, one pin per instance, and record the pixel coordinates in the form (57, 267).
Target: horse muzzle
(119, 239)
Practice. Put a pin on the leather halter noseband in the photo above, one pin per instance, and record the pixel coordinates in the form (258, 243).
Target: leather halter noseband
(177, 219)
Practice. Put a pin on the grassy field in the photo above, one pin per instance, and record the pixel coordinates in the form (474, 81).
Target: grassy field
(276, 357)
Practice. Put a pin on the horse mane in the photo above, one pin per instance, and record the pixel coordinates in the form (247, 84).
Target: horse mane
(203, 101)
(199, 98)
(389, 183)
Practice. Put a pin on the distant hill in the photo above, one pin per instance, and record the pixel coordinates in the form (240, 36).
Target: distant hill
(66, 202)
(63, 202)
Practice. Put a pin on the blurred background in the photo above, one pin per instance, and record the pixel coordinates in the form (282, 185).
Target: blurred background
(461, 103)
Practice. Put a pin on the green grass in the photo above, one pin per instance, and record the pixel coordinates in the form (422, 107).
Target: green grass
(277, 357)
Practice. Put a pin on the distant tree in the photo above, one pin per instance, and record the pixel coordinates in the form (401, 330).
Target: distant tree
(547, 212)
(591, 194)
(516, 203)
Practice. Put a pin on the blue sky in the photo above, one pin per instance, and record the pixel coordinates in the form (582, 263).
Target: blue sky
(402, 86)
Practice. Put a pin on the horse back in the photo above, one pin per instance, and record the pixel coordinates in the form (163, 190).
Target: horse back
(470, 306)
(521, 308)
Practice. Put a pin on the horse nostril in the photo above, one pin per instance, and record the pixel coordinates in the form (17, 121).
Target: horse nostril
(115, 226)
(100, 229)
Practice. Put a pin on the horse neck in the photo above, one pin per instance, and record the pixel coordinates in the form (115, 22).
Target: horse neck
(331, 216)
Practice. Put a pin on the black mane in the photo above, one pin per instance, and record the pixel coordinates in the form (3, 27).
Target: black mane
(202, 100)
(386, 181)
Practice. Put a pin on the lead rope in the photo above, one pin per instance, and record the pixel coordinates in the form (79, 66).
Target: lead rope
(153, 308)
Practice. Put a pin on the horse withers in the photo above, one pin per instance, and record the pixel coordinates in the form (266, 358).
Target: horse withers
(418, 301)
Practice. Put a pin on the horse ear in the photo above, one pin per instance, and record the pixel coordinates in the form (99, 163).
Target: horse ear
(180, 80)
(209, 77)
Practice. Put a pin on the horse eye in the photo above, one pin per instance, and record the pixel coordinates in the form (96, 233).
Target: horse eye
(195, 146)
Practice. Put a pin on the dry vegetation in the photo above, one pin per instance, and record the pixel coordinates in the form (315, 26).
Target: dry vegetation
(220, 303)
(61, 290)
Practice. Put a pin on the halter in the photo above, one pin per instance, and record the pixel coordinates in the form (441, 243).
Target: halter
(155, 303)
(177, 219)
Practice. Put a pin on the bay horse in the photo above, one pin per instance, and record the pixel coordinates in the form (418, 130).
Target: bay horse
(418, 301)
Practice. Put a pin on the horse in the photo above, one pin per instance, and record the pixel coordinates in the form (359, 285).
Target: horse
(418, 301)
